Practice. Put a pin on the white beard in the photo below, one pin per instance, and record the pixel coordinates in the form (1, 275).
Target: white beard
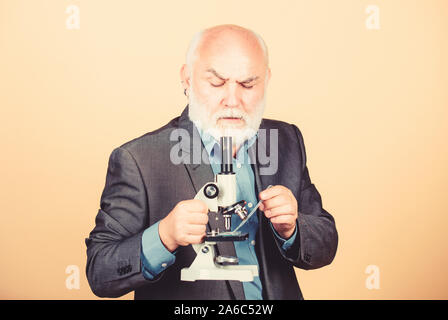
(201, 117)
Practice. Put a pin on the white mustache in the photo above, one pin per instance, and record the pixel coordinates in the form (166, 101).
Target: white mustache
(230, 113)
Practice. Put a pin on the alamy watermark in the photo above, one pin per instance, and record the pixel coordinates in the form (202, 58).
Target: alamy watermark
(189, 150)
(373, 18)
(373, 280)
(73, 21)
(72, 281)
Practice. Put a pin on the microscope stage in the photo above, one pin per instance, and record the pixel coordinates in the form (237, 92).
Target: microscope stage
(226, 236)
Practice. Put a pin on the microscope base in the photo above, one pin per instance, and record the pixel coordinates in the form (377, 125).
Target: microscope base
(238, 273)
(204, 267)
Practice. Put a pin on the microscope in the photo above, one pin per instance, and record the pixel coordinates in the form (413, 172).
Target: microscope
(220, 197)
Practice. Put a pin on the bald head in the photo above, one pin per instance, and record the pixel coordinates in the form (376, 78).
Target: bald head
(224, 36)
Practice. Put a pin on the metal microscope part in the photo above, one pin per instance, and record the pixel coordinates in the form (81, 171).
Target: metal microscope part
(250, 214)
(238, 208)
(227, 222)
(226, 155)
(226, 236)
(226, 260)
(241, 212)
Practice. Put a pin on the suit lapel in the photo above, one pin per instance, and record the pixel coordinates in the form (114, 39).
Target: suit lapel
(261, 146)
(201, 173)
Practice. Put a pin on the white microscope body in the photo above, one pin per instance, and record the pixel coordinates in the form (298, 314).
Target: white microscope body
(220, 196)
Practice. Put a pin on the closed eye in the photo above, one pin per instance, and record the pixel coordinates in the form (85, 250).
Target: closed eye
(217, 85)
(248, 83)
(246, 86)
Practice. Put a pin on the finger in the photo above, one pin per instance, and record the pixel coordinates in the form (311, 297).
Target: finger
(195, 229)
(197, 218)
(276, 201)
(286, 209)
(196, 205)
(271, 192)
(194, 239)
(283, 219)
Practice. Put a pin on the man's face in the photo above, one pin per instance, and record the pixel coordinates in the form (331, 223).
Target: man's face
(227, 87)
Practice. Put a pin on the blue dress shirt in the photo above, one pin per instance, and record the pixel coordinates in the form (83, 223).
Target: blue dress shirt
(161, 258)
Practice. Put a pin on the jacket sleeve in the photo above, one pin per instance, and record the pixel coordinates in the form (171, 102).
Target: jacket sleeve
(114, 245)
(317, 239)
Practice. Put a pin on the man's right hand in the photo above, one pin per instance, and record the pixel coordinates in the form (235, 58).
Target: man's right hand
(184, 225)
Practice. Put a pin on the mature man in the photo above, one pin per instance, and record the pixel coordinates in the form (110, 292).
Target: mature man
(148, 218)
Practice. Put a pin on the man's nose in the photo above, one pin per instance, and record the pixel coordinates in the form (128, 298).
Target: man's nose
(232, 96)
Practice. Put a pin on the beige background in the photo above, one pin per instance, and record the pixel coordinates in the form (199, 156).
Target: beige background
(372, 106)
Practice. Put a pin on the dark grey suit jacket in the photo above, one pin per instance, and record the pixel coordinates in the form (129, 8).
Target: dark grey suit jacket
(143, 186)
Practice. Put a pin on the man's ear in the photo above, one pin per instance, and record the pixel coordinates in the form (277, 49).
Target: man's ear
(268, 75)
(185, 77)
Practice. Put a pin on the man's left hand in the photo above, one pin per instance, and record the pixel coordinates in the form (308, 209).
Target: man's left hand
(280, 206)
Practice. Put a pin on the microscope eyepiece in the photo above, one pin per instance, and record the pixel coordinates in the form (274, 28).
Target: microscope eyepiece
(226, 155)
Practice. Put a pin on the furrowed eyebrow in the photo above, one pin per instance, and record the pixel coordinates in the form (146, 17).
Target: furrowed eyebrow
(217, 74)
(248, 80)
